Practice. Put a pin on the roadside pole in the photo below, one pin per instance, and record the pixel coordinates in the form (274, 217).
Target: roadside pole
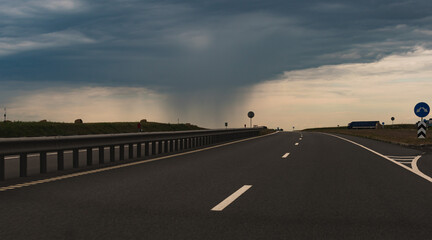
(422, 109)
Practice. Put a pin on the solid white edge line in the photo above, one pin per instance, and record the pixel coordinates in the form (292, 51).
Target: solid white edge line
(222, 205)
(123, 165)
(415, 167)
(417, 172)
(285, 155)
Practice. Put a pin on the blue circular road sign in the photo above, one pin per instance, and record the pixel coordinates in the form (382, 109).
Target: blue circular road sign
(421, 109)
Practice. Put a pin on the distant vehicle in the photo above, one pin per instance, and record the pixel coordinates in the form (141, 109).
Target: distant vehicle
(364, 125)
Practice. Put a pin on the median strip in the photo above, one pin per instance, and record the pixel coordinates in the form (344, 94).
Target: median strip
(221, 206)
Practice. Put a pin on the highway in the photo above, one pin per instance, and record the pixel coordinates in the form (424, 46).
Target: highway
(295, 185)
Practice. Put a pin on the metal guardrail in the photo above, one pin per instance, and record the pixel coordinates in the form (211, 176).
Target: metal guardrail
(138, 145)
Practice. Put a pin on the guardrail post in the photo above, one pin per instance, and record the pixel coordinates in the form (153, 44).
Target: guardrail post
(121, 157)
(43, 162)
(101, 155)
(112, 153)
(138, 150)
(2, 167)
(60, 160)
(75, 153)
(131, 151)
(146, 149)
(89, 156)
(23, 165)
(176, 144)
(172, 142)
(181, 144)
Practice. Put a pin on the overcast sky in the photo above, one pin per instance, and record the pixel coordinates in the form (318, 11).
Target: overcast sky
(207, 62)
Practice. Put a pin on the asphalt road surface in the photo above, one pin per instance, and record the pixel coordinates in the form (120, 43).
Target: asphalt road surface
(283, 186)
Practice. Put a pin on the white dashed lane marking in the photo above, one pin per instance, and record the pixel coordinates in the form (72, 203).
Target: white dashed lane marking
(285, 155)
(231, 198)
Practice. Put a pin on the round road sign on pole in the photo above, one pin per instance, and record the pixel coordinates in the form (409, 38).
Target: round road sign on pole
(251, 115)
(421, 109)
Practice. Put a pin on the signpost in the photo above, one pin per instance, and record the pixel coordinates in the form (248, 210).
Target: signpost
(251, 115)
(421, 110)
(226, 125)
(392, 118)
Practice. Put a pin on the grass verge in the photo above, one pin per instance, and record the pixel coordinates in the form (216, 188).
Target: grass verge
(37, 129)
(404, 134)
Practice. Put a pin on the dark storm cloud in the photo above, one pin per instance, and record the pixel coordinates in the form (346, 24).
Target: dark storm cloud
(198, 44)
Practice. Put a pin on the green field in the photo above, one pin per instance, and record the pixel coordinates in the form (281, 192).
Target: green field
(403, 134)
(37, 129)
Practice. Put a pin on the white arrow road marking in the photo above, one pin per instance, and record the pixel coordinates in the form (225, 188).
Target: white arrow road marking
(231, 198)
(285, 155)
